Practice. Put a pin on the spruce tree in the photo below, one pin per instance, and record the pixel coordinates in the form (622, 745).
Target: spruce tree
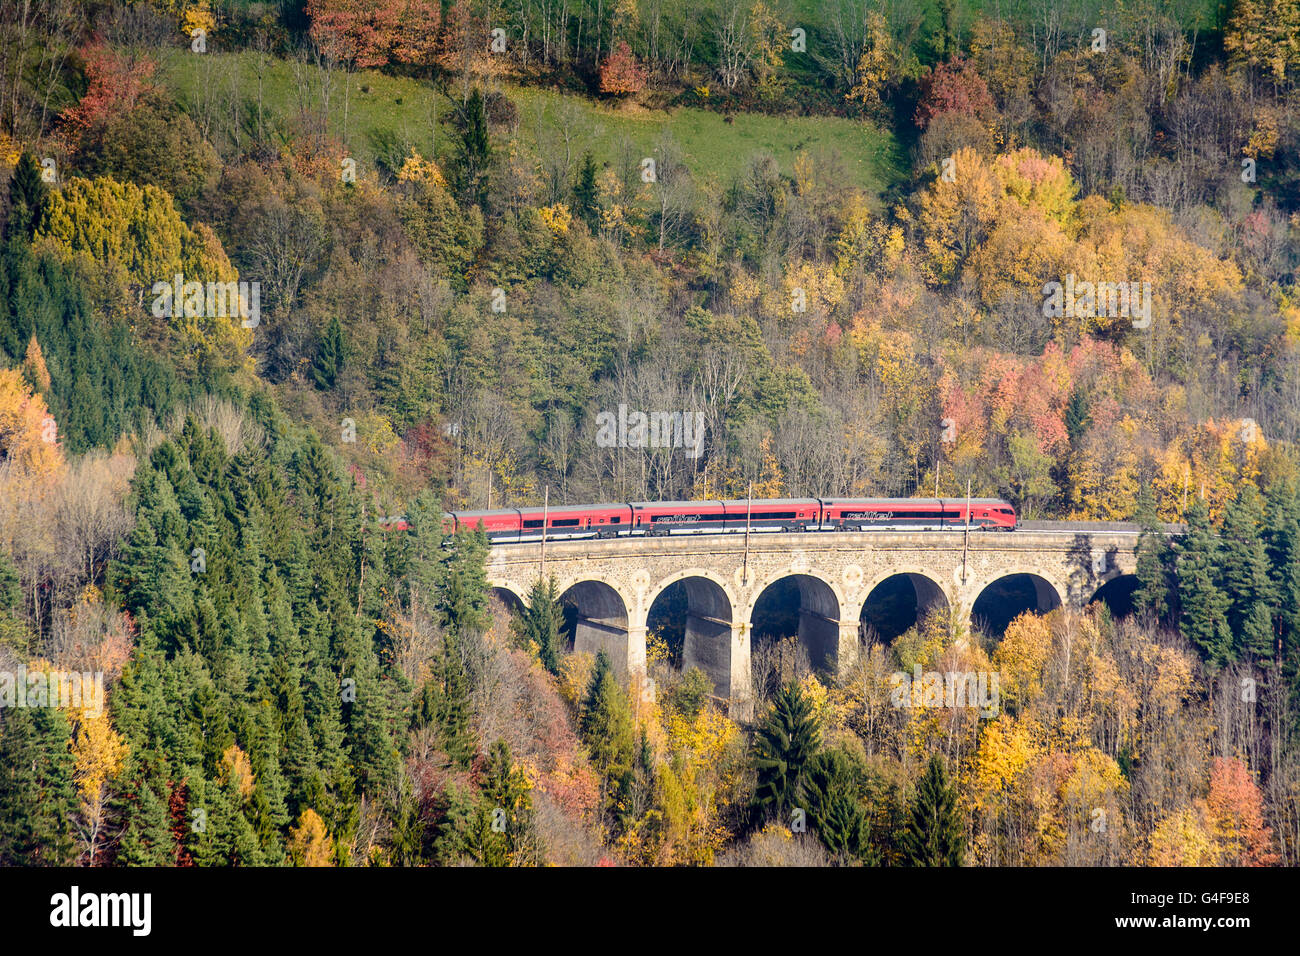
(474, 151)
(1153, 558)
(1204, 619)
(10, 587)
(1282, 542)
(444, 702)
(539, 624)
(1244, 576)
(28, 197)
(331, 353)
(506, 797)
(147, 839)
(933, 834)
(786, 740)
(462, 588)
(1077, 417)
(37, 795)
(606, 724)
(154, 571)
(829, 795)
(586, 203)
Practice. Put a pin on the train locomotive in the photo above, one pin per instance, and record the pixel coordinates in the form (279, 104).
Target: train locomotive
(656, 518)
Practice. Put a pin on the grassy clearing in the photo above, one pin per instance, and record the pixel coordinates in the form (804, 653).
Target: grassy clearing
(381, 106)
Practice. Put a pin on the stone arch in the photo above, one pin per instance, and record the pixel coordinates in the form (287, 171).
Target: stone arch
(708, 626)
(896, 593)
(600, 618)
(820, 601)
(1116, 592)
(1009, 593)
(508, 596)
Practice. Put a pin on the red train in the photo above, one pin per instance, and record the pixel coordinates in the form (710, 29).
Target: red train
(715, 517)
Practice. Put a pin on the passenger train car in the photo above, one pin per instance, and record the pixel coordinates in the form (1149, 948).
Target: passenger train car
(715, 517)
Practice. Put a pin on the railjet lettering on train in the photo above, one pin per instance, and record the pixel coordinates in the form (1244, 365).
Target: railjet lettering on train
(656, 430)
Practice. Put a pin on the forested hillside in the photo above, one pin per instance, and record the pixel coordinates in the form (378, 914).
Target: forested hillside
(275, 272)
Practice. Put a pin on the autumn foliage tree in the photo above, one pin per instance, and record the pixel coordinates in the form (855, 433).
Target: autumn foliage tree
(28, 433)
(370, 33)
(116, 82)
(954, 87)
(621, 74)
(1236, 813)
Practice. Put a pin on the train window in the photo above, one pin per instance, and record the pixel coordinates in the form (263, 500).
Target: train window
(773, 515)
(563, 522)
(533, 523)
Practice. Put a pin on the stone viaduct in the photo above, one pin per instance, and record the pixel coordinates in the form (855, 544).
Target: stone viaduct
(614, 583)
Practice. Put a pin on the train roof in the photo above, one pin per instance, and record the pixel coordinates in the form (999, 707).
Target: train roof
(911, 501)
(674, 504)
(743, 503)
(553, 509)
(536, 509)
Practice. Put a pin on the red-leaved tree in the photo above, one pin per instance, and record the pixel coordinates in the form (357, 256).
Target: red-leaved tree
(1237, 816)
(954, 87)
(621, 74)
(116, 85)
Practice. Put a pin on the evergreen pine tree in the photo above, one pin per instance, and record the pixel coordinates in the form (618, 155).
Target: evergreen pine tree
(586, 201)
(474, 151)
(154, 572)
(444, 702)
(1244, 576)
(540, 624)
(462, 588)
(13, 632)
(37, 796)
(147, 839)
(331, 353)
(786, 740)
(505, 792)
(1204, 619)
(1153, 557)
(1077, 417)
(933, 834)
(606, 725)
(1282, 542)
(28, 198)
(10, 587)
(829, 795)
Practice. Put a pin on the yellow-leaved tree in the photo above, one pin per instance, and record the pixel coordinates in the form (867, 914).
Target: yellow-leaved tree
(98, 752)
(28, 432)
(309, 842)
(136, 237)
(1182, 839)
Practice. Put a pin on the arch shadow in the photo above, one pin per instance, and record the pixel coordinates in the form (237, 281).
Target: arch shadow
(1006, 597)
(895, 603)
(596, 619)
(694, 613)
